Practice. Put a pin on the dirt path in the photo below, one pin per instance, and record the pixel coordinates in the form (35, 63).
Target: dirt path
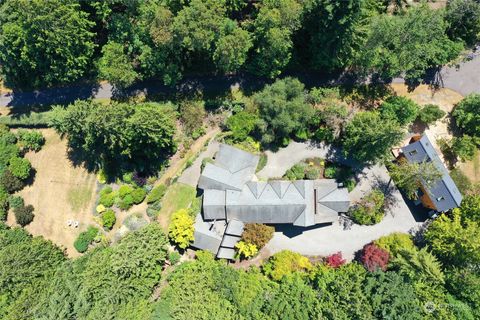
(179, 165)
(59, 192)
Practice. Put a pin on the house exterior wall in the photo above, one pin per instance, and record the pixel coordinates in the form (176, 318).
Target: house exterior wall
(426, 200)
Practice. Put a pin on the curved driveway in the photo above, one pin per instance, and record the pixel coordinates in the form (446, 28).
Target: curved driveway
(325, 240)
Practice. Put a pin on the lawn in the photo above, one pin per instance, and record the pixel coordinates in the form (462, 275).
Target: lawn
(60, 191)
(178, 196)
(79, 198)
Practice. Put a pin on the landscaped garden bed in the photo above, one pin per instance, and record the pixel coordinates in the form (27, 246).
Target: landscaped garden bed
(318, 168)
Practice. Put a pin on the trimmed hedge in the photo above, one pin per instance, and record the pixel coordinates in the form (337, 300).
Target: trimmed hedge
(85, 238)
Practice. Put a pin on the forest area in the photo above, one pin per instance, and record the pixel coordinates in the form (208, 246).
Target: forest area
(52, 43)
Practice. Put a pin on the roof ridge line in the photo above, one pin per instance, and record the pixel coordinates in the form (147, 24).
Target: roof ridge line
(328, 193)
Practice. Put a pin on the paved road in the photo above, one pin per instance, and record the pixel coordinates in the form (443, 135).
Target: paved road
(325, 240)
(464, 79)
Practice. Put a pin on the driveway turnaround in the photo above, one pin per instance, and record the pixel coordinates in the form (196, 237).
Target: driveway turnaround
(329, 239)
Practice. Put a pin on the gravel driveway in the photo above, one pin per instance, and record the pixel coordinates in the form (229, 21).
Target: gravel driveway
(325, 240)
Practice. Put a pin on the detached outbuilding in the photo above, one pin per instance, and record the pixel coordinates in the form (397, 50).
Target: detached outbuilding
(443, 195)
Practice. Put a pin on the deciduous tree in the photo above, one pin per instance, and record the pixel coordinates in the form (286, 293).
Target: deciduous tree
(44, 42)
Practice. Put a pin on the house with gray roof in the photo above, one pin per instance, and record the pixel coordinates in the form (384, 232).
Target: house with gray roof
(443, 195)
(232, 196)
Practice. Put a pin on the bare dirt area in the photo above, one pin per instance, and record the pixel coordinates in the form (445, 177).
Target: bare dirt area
(444, 98)
(59, 192)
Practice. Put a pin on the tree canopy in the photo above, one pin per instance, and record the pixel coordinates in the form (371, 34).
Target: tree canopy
(410, 43)
(119, 133)
(369, 138)
(44, 42)
(283, 110)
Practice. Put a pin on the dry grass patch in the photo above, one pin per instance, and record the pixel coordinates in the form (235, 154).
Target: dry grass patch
(59, 192)
(80, 197)
(471, 168)
(178, 196)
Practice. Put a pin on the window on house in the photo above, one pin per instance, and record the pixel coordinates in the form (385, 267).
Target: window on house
(413, 152)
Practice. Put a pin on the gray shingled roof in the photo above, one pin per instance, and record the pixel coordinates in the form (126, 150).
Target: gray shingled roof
(208, 236)
(235, 227)
(214, 204)
(444, 194)
(232, 169)
(231, 195)
(226, 253)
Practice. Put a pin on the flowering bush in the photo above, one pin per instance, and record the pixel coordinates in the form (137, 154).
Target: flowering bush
(335, 260)
(245, 249)
(374, 257)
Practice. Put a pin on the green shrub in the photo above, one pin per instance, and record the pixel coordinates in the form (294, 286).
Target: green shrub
(156, 194)
(30, 140)
(8, 137)
(16, 201)
(350, 184)
(138, 195)
(262, 162)
(297, 172)
(106, 190)
(107, 199)
(7, 152)
(10, 183)
(324, 134)
(4, 201)
(85, 238)
(127, 177)
(284, 263)
(20, 167)
(241, 125)
(126, 203)
(430, 113)
(124, 191)
(24, 214)
(370, 210)
(257, 234)
(152, 213)
(330, 172)
(464, 147)
(108, 219)
(395, 242)
(312, 173)
(174, 257)
(302, 135)
(156, 205)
